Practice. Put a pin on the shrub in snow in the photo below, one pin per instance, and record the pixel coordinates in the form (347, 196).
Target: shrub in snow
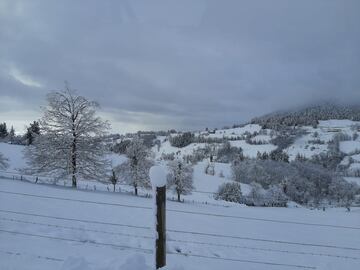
(210, 169)
(275, 196)
(3, 162)
(355, 136)
(70, 144)
(135, 171)
(256, 196)
(180, 177)
(230, 192)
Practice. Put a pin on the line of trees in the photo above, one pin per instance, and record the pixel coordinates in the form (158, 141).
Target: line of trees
(10, 136)
(301, 181)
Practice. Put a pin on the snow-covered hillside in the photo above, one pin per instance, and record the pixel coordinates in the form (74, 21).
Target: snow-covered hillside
(93, 228)
(47, 227)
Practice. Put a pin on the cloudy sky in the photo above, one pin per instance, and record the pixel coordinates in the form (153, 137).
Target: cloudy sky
(181, 64)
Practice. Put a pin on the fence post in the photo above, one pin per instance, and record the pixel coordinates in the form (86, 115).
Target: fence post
(158, 180)
(161, 227)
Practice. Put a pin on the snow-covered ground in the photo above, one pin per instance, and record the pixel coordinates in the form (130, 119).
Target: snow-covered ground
(306, 146)
(41, 227)
(55, 227)
(205, 185)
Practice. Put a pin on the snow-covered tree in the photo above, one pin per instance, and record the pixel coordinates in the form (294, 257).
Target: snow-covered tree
(256, 194)
(71, 141)
(135, 171)
(275, 196)
(230, 192)
(12, 134)
(180, 177)
(113, 178)
(3, 162)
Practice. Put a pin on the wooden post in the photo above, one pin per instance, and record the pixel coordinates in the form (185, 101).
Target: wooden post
(158, 176)
(161, 227)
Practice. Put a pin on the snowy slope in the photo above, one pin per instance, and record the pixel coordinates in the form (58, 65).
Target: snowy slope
(44, 228)
(14, 153)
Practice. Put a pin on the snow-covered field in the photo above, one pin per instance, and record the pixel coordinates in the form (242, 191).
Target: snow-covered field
(42, 227)
(46, 226)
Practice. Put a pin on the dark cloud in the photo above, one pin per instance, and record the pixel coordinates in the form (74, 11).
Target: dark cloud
(178, 64)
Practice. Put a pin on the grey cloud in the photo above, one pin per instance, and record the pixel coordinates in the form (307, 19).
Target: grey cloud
(182, 64)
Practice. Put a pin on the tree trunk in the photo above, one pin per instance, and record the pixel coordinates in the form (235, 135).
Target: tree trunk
(114, 188)
(178, 195)
(73, 161)
(136, 190)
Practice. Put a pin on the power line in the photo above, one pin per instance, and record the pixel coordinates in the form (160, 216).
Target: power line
(75, 228)
(78, 241)
(264, 240)
(76, 200)
(149, 251)
(188, 232)
(185, 212)
(76, 219)
(264, 249)
(243, 261)
(183, 241)
(265, 220)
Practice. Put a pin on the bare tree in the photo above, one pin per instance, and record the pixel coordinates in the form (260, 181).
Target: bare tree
(113, 179)
(3, 162)
(71, 141)
(135, 171)
(180, 177)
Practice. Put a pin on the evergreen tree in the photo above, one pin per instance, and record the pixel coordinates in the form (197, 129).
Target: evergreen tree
(3, 131)
(32, 131)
